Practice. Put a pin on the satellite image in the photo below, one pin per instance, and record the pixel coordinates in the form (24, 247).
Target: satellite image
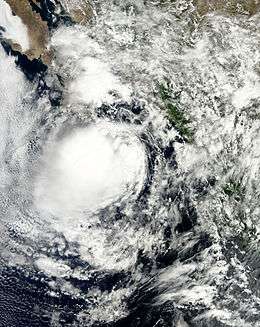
(130, 163)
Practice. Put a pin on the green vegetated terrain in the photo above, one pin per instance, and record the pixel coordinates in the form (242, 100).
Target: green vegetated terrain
(171, 102)
(234, 188)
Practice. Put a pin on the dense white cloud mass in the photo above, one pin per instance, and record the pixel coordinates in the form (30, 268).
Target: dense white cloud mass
(136, 196)
(91, 168)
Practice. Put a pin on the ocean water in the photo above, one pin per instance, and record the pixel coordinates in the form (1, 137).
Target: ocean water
(134, 200)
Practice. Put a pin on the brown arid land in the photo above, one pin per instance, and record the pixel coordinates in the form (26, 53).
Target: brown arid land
(38, 30)
(231, 7)
(81, 12)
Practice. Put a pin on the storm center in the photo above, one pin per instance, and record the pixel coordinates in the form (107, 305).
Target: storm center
(90, 169)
